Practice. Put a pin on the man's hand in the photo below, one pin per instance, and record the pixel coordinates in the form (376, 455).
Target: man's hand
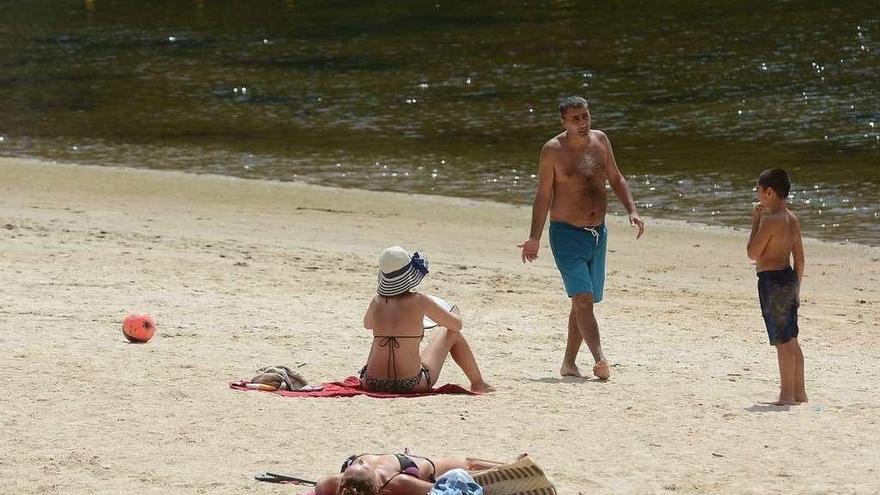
(529, 249)
(636, 221)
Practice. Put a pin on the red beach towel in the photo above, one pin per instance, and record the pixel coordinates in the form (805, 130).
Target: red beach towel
(351, 387)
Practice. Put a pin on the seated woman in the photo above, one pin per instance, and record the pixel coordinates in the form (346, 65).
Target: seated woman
(391, 474)
(395, 316)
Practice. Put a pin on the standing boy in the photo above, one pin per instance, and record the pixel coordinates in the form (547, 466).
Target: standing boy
(775, 239)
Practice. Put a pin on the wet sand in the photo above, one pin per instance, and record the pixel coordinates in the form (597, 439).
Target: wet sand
(241, 274)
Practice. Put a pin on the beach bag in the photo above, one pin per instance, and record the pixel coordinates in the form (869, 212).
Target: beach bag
(522, 477)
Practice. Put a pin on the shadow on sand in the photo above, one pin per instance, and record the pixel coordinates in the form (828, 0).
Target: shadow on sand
(564, 379)
(765, 408)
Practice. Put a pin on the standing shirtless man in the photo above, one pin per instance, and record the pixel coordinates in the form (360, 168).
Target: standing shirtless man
(573, 169)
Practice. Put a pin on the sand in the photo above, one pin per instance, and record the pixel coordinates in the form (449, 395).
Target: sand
(243, 273)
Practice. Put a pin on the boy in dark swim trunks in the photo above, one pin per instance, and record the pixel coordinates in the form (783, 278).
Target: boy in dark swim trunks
(774, 241)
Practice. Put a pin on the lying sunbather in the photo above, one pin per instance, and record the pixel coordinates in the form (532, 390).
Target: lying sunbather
(392, 474)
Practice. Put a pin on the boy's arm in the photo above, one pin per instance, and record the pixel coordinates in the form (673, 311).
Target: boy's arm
(797, 253)
(621, 187)
(762, 231)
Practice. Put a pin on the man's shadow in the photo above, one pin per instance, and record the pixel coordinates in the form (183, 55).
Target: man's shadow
(564, 379)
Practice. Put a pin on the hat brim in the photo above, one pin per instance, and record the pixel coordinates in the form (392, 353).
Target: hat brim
(401, 284)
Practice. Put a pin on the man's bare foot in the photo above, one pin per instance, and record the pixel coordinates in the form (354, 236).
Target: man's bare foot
(801, 399)
(569, 370)
(602, 370)
(482, 388)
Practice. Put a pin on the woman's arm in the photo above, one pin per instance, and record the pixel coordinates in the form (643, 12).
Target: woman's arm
(368, 316)
(449, 319)
(408, 485)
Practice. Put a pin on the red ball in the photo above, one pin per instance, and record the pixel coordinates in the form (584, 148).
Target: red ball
(138, 328)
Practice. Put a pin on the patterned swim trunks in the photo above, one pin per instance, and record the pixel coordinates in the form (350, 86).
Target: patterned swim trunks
(778, 293)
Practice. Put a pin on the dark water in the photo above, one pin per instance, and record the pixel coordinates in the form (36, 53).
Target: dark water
(457, 98)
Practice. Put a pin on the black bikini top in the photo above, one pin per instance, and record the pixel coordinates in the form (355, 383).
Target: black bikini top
(407, 466)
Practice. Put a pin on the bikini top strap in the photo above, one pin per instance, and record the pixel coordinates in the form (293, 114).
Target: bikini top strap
(401, 459)
(389, 480)
(433, 470)
(405, 463)
(391, 342)
(348, 462)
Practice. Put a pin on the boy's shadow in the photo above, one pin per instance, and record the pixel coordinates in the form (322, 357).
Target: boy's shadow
(765, 408)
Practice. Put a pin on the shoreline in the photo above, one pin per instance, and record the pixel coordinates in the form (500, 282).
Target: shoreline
(672, 222)
(243, 273)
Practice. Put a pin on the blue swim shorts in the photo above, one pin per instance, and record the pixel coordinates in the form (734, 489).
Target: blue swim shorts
(580, 257)
(778, 293)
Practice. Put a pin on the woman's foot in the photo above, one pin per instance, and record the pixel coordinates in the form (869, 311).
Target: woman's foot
(602, 370)
(481, 388)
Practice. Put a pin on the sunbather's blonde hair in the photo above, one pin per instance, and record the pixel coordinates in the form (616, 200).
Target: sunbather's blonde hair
(358, 482)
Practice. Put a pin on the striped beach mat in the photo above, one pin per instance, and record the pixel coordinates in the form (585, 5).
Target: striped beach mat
(522, 477)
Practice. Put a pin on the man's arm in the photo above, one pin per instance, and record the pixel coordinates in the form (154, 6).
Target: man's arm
(797, 252)
(621, 187)
(541, 204)
(762, 231)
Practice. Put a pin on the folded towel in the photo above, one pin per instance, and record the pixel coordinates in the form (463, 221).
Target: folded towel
(279, 377)
(456, 482)
(351, 387)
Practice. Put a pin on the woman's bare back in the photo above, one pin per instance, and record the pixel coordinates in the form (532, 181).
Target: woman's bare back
(396, 323)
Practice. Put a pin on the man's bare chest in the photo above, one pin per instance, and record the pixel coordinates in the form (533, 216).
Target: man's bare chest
(587, 165)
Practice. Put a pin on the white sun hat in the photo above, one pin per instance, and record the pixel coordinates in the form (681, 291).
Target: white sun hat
(399, 272)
